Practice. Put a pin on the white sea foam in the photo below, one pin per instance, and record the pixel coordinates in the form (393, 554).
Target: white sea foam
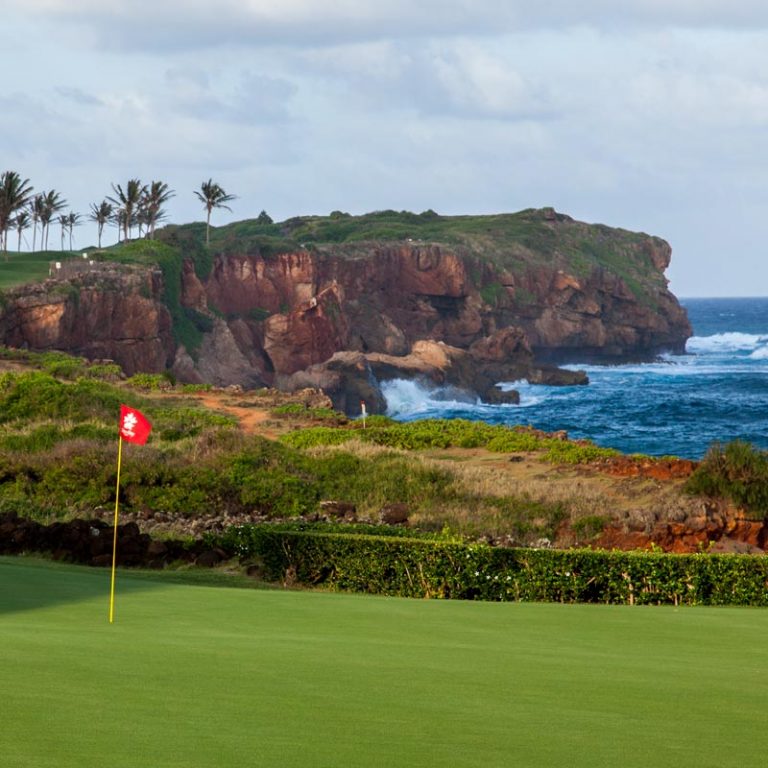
(725, 342)
(407, 399)
(410, 398)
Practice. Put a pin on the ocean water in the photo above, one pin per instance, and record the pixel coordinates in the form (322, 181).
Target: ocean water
(678, 405)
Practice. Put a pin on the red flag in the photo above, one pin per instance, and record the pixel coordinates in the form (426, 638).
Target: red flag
(134, 427)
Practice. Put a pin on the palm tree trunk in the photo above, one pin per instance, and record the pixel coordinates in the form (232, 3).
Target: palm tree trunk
(208, 228)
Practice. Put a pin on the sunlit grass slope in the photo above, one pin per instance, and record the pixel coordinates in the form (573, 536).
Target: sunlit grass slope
(19, 268)
(203, 676)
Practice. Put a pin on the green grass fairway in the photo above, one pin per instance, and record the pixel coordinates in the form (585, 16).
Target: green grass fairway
(207, 676)
(19, 268)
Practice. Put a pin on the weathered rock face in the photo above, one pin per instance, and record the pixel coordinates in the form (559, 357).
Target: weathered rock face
(273, 320)
(385, 299)
(107, 311)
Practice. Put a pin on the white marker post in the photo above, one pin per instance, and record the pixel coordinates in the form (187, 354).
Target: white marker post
(362, 409)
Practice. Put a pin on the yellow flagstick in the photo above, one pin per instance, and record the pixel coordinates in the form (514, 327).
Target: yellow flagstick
(114, 541)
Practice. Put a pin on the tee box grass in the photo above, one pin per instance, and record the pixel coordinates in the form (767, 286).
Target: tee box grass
(203, 676)
(21, 268)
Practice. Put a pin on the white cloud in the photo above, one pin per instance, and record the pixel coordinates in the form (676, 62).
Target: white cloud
(194, 24)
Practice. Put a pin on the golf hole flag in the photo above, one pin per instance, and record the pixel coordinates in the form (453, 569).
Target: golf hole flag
(134, 427)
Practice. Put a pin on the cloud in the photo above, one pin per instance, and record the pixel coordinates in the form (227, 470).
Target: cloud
(465, 80)
(79, 97)
(195, 24)
(249, 97)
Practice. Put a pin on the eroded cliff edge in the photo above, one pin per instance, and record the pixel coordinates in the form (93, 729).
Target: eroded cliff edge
(461, 300)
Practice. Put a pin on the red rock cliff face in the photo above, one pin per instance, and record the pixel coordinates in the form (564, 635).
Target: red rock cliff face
(103, 312)
(278, 315)
(300, 308)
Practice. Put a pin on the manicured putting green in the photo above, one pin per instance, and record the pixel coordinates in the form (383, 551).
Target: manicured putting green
(193, 676)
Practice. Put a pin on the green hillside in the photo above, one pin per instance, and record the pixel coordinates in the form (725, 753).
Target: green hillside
(511, 241)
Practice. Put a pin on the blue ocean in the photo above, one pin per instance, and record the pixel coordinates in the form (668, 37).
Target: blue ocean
(678, 405)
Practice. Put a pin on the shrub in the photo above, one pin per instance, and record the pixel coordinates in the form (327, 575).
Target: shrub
(589, 526)
(150, 381)
(178, 423)
(32, 396)
(303, 411)
(738, 472)
(408, 567)
(566, 452)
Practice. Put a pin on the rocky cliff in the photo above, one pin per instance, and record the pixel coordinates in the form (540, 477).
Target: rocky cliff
(501, 294)
(96, 311)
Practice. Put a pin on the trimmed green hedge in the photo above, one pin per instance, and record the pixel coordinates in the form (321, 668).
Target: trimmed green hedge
(409, 567)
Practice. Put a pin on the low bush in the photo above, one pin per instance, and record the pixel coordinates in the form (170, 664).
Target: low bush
(589, 526)
(63, 366)
(150, 381)
(304, 412)
(408, 567)
(30, 396)
(738, 471)
(566, 452)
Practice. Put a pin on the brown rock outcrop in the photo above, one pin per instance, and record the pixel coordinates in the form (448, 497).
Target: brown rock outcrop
(108, 311)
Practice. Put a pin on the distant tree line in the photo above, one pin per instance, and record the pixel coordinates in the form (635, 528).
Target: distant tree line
(132, 206)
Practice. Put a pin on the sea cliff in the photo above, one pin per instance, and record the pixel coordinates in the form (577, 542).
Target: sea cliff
(343, 301)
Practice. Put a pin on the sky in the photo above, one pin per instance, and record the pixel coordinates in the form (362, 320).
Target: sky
(651, 115)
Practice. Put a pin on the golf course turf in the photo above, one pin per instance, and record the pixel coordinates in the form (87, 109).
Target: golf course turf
(209, 676)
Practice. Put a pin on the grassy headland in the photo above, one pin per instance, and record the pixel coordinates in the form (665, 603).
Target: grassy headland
(511, 241)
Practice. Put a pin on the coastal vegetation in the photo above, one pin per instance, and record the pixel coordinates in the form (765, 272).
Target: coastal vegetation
(455, 477)
(737, 471)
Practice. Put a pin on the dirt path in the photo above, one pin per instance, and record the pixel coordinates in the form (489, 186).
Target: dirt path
(253, 419)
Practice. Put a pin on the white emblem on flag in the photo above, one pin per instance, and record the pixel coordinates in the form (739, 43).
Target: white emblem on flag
(129, 424)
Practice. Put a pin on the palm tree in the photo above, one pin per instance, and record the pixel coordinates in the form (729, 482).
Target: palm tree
(52, 204)
(118, 218)
(211, 195)
(73, 220)
(101, 213)
(63, 219)
(15, 192)
(155, 197)
(20, 223)
(35, 210)
(129, 200)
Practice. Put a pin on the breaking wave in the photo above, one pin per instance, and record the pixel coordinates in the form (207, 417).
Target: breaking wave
(678, 404)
